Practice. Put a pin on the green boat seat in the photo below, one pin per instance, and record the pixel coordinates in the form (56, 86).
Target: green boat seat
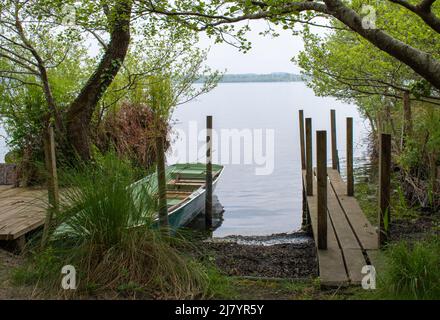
(173, 202)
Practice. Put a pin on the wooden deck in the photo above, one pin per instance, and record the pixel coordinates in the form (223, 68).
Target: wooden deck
(21, 211)
(351, 240)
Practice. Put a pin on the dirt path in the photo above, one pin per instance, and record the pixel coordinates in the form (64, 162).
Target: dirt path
(8, 262)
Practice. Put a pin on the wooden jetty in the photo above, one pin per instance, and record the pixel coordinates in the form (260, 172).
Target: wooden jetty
(345, 239)
(22, 210)
(351, 239)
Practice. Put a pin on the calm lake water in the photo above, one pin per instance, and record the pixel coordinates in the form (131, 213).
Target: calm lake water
(260, 204)
(261, 187)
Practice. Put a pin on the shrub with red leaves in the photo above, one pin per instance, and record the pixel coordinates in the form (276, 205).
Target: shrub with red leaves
(131, 131)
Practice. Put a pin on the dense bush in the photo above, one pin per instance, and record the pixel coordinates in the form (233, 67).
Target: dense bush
(420, 160)
(22, 119)
(130, 130)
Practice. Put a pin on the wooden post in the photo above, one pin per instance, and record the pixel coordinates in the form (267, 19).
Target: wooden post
(384, 187)
(52, 182)
(321, 153)
(161, 183)
(309, 158)
(301, 139)
(8, 174)
(304, 209)
(208, 197)
(20, 244)
(335, 160)
(350, 178)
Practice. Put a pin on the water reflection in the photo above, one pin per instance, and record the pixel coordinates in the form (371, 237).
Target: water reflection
(198, 224)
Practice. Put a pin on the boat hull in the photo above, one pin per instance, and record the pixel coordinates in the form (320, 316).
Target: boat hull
(186, 213)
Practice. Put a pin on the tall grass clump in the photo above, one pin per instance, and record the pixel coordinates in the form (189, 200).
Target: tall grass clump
(412, 270)
(106, 230)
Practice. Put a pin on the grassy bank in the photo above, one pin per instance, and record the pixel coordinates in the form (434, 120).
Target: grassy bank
(410, 273)
(409, 268)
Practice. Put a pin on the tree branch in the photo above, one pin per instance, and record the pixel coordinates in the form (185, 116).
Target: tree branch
(423, 10)
(21, 81)
(421, 62)
(41, 68)
(264, 13)
(20, 63)
(355, 84)
(426, 4)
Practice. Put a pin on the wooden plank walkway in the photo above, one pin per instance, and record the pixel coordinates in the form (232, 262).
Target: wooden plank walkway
(21, 211)
(351, 239)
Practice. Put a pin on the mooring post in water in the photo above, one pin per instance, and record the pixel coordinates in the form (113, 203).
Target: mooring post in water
(309, 158)
(350, 178)
(304, 209)
(384, 188)
(208, 198)
(301, 139)
(52, 181)
(321, 153)
(335, 158)
(161, 183)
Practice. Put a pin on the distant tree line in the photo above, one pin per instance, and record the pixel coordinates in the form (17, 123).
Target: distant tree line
(253, 77)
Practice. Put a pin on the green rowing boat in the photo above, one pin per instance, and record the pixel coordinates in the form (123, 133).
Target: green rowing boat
(185, 195)
(185, 190)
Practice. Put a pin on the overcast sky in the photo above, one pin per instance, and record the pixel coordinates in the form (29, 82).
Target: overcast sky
(268, 54)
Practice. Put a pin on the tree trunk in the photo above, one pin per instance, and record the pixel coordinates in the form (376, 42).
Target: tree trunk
(389, 118)
(52, 182)
(436, 186)
(372, 122)
(407, 119)
(80, 112)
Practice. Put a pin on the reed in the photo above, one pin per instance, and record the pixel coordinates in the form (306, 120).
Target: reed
(411, 270)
